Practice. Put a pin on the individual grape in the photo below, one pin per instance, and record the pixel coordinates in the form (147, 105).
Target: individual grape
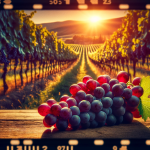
(64, 98)
(74, 88)
(45, 124)
(133, 101)
(136, 81)
(86, 78)
(50, 102)
(113, 82)
(71, 102)
(63, 104)
(136, 114)
(129, 86)
(123, 84)
(119, 120)
(107, 102)
(50, 119)
(106, 87)
(85, 125)
(137, 91)
(84, 106)
(80, 95)
(127, 117)
(89, 98)
(102, 79)
(96, 106)
(93, 124)
(85, 117)
(91, 84)
(111, 120)
(101, 124)
(117, 90)
(107, 77)
(55, 109)
(99, 92)
(44, 109)
(83, 86)
(109, 94)
(119, 111)
(65, 113)
(106, 110)
(117, 102)
(62, 124)
(127, 93)
(75, 110)
(92, 115)
(110, 111)
(101, 116)
(123, 76)
(74, 120)
(130, 108)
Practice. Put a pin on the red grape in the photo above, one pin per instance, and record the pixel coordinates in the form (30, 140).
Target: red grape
(74, 88)
(50, 102)
(45, 124)
(71, 102)
(44, 109)
(55, 109)
(136, 80)
(91, 84)
(102, 79)
(136, 114)
(123, 76)
(90, 92)
(63, 104)
(130, 108)
(86, 78)
(83, 86)
(129, 86)
(64, 98)
(137, 91)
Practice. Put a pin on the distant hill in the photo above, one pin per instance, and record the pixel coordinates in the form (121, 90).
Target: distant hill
(69, 28)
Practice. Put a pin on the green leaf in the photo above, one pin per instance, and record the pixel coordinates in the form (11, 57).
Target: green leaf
(144, 106)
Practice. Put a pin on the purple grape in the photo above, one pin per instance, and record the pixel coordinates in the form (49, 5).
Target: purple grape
(75, 110)
(84, 106)
(93, 124)
(106, 110)
(123, 84)
(109, 94)
(107, 102)
(74, 120)
(89, 98)
(101, 116)
(63, 104)
(99, 92)
(65, 113)
(50, 119)
(117, 102)
(127, 93)
(96, 106)
(113, 82)
(71, 102)
(106, 87)
(117, 90)
(128, 117)
(92, 115)
(80, 95)
(85, 117)
(110, 111)
(119, 112)
(62, 124)
(133, 101)
(111, 120)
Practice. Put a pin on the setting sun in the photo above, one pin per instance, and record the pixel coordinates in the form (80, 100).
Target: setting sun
(94, 19)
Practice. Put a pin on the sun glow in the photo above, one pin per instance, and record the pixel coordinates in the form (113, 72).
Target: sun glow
(94, 19)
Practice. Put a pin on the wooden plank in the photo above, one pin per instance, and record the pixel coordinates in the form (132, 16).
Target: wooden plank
(29, 124)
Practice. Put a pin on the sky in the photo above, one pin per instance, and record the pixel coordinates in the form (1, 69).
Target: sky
(47, 16)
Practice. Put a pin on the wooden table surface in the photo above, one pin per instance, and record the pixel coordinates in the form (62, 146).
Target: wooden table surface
(29, 124)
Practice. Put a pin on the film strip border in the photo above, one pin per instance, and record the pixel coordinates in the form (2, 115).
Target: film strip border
(74, 4)
(75, 144)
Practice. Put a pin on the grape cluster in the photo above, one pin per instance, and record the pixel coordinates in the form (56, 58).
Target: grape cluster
(94, 103)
